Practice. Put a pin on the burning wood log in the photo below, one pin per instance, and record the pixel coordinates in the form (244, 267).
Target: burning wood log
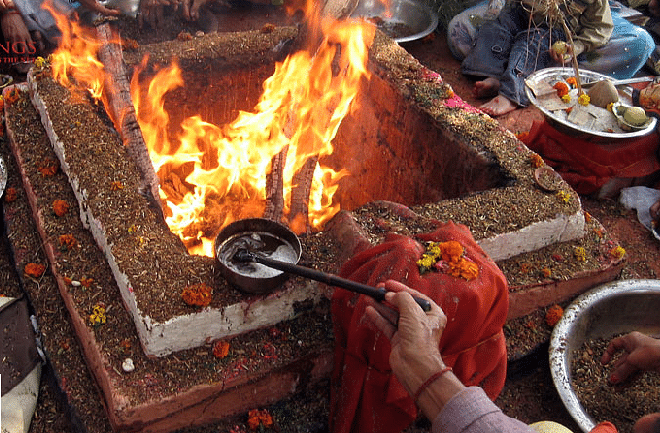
(275, 187)
(298, 216)
(123, 113)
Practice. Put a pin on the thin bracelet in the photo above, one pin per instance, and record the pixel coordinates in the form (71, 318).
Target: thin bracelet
(10, 11)
(435, 376)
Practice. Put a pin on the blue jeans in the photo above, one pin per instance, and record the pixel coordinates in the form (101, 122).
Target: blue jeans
(506, 48)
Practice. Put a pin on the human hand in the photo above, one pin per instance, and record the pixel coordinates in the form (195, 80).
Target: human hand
(191, 9)
(654, 8)
(15, 32)
(95, 6)
(152, 12)
(654, 210)
(641, 352)
(560, 56)
(414, 335)
(6, 5)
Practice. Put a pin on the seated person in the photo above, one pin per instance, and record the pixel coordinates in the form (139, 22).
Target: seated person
(605, 43)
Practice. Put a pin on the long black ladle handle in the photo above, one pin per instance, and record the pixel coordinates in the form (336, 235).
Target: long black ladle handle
(329, 279)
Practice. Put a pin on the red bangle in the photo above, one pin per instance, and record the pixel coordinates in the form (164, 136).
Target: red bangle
(429, 381)
(11, 11)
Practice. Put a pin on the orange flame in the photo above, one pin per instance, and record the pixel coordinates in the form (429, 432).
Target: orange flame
(212, 175)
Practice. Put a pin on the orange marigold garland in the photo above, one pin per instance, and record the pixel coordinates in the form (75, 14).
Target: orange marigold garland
(35, 270)
(197, 295)
(60, 207)
(258, 417)
(448, 257)
(553, 315)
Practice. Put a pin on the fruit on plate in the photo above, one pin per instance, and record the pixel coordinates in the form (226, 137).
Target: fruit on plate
(636, 116)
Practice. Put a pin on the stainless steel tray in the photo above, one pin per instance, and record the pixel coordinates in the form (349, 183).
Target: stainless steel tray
(562, 124)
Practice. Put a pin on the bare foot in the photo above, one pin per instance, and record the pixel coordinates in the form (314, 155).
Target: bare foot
(486, 88)
(498, 106)
(655, 211)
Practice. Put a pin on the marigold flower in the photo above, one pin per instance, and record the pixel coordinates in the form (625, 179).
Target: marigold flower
(68, 241)
(584, 99)
(617, 252)
(580, 254)
(561, 88)
(258, 417)
(522, 135)
(12, 96)
(563, 196)
(39, 62)
(587, 217)
(35, 270)
(60, 207)
(537, 160)
(11, 194)
(452, 251)
(98, 315)
(547, 273)
(197, 295)
(86, 282)
(566, 98)
(553, 315)
(116, 185)
(48, 167)
(572, 81)
(220, 349)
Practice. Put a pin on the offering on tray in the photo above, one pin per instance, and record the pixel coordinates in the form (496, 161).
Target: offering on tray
(601, 110)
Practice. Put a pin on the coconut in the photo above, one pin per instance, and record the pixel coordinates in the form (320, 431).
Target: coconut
(603, 93)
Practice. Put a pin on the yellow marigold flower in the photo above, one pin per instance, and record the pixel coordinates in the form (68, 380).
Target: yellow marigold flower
(584, 99)
(566, 98)
(546, 272)
(580, 254)
(618, 252)
(537, 160)
(564, 196)
(98, 315)
(426, 261)
(610, 107)
(39, 62)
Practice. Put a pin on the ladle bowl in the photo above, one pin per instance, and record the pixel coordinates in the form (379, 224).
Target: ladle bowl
(255, 234)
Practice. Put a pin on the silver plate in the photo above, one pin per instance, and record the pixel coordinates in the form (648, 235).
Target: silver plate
(625, 97)
(619, 307)
(3, 176)
(413, 15)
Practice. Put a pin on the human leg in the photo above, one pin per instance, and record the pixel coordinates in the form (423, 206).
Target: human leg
(462, 29)
(624, 55)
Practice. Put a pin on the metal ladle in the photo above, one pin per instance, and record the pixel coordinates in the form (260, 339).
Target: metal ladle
(245, 256)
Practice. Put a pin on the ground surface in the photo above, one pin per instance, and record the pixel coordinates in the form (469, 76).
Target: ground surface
(528, 394)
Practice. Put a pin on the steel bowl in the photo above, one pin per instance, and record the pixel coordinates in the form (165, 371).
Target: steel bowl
(563, 125)
(404, 21)
(256, 235)
(614, 308)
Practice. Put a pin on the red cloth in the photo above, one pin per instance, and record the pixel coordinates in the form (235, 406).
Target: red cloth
(587, 166)
(366, 397)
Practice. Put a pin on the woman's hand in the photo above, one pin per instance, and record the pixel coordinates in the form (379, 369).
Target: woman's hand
(641, 352)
